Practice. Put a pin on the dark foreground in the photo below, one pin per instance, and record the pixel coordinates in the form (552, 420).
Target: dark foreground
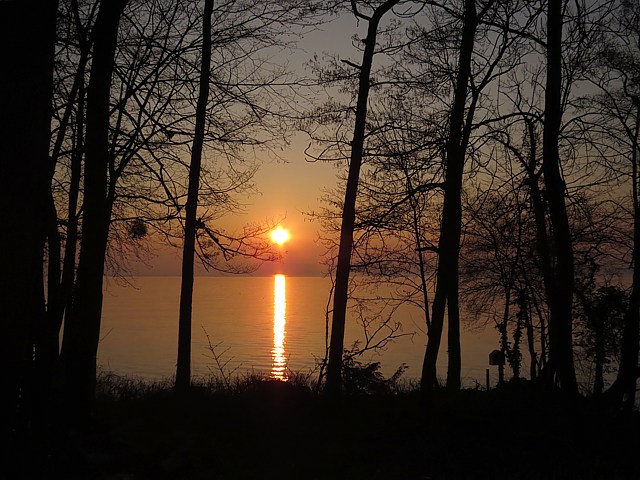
(270, 430)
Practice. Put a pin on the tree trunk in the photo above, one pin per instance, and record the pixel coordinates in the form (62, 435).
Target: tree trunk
(454, 366)
(450, 228)
(531, 346)
(628, 370)
(82, 324)
(75, 100)
(539, 208)
(183, 370)
(71, 242)
(47, 339)
(504, 330)
(600, 355)
(560, 322)
(343, 268)
(27, 39)
(54, 293)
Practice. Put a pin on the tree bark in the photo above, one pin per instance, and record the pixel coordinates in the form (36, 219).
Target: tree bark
(533, 357)
(183, 369)
(27, 40)
(600, 355)
(504, 330)
(71, 242)
(538, 207)
(82, 325)
(628, 371)
(75, 100)
(343, 268)
(450, 227)
(561, 295)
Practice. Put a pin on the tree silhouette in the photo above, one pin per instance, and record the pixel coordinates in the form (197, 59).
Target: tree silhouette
(25, 129)
(336, 348)
(82, 325)
(449, 241)
(183, 370)
(614, 123)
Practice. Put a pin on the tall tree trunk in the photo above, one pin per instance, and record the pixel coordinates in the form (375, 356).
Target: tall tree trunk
(538, 208)
(531, 346)
(450, 227)
(560, 322)
(454, 352)
(183, 370)
(82, 324)
(600, 354)
(628, 371)
(71, 241)
(343, 268)
(54, 298)
(503, 328)
(76, 100)
(47, 339)
(27, 39)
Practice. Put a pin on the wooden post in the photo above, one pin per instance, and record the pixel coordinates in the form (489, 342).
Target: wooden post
(488, 384)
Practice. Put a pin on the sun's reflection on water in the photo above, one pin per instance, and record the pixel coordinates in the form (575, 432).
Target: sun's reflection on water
(279, 367)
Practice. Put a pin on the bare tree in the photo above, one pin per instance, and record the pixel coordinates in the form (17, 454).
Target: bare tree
(82, 325)
(560, 296)
(238, 111)
(340, 296)
(25, 123)
(449, 241)
(183, 369)
(615, 126)
(496, 257)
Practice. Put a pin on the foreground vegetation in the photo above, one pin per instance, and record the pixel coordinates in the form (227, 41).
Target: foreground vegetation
(255, 427)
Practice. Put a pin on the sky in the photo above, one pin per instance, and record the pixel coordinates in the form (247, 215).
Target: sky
(287, 191)
(289, 187)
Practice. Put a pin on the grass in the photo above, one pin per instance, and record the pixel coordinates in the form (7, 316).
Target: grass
(257, 428)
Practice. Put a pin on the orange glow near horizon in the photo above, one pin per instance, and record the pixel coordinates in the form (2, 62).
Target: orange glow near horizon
(279, 368)
(280, 236)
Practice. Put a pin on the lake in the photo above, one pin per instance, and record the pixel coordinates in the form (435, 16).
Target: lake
(259, 324)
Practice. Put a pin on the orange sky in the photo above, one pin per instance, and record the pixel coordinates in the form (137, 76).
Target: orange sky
(287, 189)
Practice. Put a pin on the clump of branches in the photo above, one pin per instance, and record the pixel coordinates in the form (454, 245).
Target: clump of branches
(221, 361)
(365, 378)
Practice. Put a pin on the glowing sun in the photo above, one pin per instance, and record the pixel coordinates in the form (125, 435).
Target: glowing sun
(280, 235)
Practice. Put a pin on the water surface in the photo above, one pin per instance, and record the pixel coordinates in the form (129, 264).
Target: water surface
(261, 324)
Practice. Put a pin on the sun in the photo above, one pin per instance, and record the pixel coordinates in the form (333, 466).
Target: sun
(280, 235)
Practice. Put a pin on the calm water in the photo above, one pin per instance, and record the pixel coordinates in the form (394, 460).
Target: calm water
(264, 324)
